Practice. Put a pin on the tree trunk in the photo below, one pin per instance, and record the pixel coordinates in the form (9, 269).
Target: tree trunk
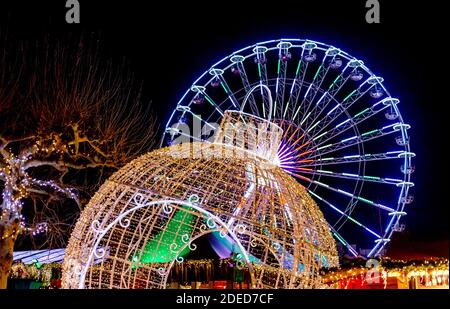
(7, 239)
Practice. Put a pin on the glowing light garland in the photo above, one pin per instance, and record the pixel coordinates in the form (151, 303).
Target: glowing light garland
(19, 182)
(427, 272)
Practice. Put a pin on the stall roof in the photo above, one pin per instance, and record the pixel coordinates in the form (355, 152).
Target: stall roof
(45, 256)
(42, 256)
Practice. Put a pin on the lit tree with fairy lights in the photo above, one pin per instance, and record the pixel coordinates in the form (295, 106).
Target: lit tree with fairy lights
(67, 120)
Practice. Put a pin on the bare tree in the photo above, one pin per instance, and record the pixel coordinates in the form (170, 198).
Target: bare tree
(67, 120)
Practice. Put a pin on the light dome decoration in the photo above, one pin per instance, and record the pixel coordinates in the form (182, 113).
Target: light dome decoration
(148, 215)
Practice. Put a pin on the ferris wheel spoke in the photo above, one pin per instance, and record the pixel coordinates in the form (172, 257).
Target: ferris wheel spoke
(239, 68)
(343, 241)
(378, 247)
(283, 57)
(219, 79)
(307, 56)
(328, 96)
(356, 139)
(358, 118)
(345, 214)
(296, 85)
(314, 88)
(351, 176)
(391, 155)
(279, 87)
(261, 61)
(289, 142)
(342, 192)
(200, 94)
(342, 107)
(301, 79)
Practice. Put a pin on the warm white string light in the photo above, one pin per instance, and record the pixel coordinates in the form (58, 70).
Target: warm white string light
(130, 234)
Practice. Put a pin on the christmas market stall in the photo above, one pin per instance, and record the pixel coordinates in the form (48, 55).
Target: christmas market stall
(36, 269)
(389, 274)
(29, 273)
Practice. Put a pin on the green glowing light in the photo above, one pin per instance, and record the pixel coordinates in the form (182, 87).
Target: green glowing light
(339, 238)
(349, 95)
(298, 67)
(307, 116)
(224, 88)
(370, 132)
(362, 112)
(210, 100)
(158, 250)
(365, 200)
(334, 82)
(354, 221)
(37, 264)
(372, 177)
(317, 73)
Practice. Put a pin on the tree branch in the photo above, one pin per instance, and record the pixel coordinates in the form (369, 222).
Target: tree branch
(58, 165)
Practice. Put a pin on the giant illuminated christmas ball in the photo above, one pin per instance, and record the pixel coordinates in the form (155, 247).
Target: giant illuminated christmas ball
(147, 216)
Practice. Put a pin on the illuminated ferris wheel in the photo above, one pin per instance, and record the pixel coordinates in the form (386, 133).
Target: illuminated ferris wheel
(344, 138)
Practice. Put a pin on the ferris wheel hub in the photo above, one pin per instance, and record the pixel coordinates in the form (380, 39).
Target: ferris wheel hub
(253, 134)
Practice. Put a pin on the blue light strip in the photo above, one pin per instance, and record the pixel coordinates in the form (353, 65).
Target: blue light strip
(313, 126)
(373, 249)
(307, 91)
(349, 139)
(319, 136)
(352, 156)
(333, 109)
(321, 98)
(343, 122)
(307, 116)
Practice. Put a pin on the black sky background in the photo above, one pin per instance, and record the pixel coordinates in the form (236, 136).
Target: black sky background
(169, 45)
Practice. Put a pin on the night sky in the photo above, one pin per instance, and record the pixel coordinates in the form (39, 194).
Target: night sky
(168, 45)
